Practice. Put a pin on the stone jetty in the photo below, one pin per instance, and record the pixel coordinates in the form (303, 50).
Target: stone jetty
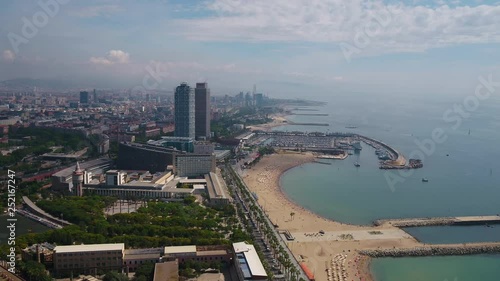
(415, 222)
(435, 250)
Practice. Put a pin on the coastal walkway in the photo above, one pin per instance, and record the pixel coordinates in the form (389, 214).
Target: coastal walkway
(414, 222)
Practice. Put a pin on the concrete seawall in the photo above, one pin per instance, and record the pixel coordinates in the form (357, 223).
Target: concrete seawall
(415, 222)
(436, 250)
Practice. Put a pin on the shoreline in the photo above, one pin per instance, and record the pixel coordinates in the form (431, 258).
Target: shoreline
(279, 119)
(265, 180)
(320, 241)
(363, 262)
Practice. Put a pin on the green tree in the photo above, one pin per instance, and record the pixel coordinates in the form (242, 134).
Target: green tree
(145, 272)
(189, 200)
(115, 276)
(34, 271)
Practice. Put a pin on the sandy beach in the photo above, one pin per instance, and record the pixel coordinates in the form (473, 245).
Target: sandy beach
(332, 255)
(278, 120)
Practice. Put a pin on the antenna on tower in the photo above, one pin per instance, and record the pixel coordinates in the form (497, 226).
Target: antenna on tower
(254, 89)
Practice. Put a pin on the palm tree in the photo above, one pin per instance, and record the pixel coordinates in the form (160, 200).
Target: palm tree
(291, 215)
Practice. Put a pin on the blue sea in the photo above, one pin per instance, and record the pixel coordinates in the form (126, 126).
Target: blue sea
(461, 156)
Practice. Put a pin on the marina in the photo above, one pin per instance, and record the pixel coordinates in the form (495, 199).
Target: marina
(339, 145)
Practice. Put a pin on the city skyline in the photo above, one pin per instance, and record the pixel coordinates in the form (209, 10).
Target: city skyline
(330, 46)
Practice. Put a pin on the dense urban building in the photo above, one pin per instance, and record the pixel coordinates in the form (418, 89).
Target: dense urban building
(88, 259)
(217, 189)
(84, 97)
(259, 100)
(179, 143)
(77, 179)
(134, 258)
(137, 185)
(203, 147)
(198, 253)
(62, 181)
(202, 111)
(184, 102)
(194, 165)
(153, 158)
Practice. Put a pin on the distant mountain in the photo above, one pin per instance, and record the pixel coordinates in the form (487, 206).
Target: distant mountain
(46, 84)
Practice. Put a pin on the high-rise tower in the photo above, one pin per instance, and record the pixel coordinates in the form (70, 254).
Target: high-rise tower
(84, 97)
(77, 180)
(202, 111)
(184, 111)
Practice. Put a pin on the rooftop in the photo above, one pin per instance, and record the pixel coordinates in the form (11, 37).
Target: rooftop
(166, 271)
(83, 165)
(216, 186)
(90, 248)
(249, 259)
(180, 249)
(193, 181)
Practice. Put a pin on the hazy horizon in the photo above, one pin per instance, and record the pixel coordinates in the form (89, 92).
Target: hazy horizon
(287, 48)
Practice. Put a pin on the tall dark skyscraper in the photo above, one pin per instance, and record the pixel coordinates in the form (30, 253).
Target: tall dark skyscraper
(84, 97)
(184, 111)
(202, 111)
(259, 99)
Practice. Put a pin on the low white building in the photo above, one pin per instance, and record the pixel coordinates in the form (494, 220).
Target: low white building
(248, 263)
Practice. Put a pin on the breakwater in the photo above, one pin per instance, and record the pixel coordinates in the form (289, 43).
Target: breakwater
(415, 222)
(436, 250)
(322, 162)
(310, 114)
(308, 124)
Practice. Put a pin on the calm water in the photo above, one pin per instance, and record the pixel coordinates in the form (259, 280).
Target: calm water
(455, 234)
(449, 268)
(463, 173)
(23, 226)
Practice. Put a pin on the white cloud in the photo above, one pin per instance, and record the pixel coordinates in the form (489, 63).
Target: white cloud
(8, 56)
(96, 11)
(403, 29)
(113, 57)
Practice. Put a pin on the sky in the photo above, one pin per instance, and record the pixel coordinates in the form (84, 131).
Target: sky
(288, 48)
